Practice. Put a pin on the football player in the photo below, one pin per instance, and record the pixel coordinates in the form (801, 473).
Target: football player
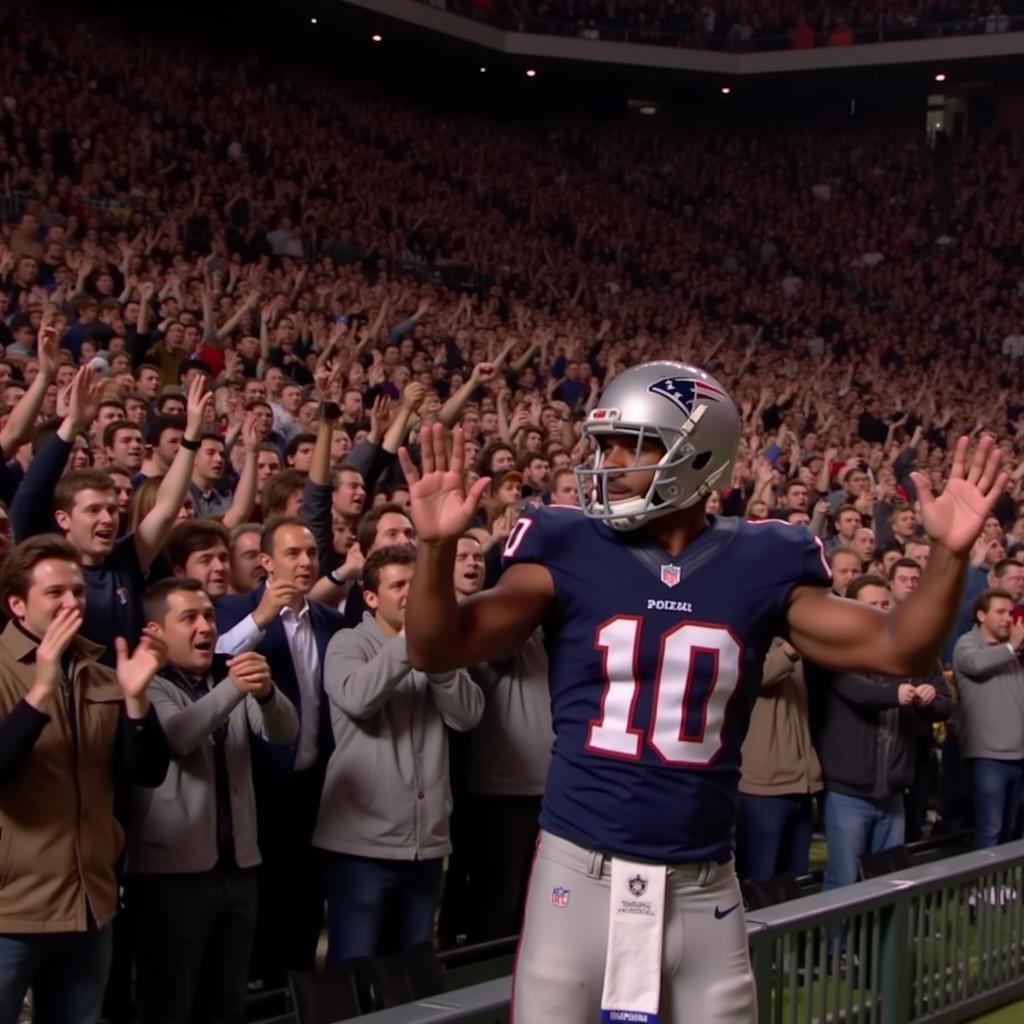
(657, 620)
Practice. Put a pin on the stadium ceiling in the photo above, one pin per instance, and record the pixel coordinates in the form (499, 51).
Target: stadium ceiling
(524, 44)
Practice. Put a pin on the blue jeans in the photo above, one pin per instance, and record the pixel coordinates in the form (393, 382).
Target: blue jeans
(67, 972)
(997, 792)
(376, 907)
(856, 825)
(773, 836)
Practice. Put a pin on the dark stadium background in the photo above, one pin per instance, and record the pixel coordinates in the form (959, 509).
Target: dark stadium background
(443, 72)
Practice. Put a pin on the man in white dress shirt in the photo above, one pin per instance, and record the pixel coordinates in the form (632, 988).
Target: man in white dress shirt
(291, 632)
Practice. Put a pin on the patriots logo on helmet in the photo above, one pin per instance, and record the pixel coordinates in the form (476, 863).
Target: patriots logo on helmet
(686, 391)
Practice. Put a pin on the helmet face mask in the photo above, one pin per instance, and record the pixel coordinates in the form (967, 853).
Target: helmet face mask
(687, 414)
(593, 478)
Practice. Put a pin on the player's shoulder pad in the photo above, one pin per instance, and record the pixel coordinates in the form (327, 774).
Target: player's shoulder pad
(775, 532)
(542, 532)
(794, 547)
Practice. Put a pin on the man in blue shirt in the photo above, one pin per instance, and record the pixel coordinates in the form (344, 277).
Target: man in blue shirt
(86, 511)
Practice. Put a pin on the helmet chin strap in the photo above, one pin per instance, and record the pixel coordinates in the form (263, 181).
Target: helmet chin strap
(694, 418)
(632, 513)
(626, 515)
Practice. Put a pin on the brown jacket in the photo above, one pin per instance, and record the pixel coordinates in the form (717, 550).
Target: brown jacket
(59, 839)
(778, 756)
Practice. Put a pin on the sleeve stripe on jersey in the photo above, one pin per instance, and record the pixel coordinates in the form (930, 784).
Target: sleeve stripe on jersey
(824, 557)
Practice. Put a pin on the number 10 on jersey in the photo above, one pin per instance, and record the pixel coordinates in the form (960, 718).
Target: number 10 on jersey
(687, 722)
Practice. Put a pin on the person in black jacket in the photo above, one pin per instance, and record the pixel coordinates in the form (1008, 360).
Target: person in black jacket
(865, 735)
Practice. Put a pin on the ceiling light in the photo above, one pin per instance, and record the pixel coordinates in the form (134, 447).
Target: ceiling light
(531, 73)
(377, 37)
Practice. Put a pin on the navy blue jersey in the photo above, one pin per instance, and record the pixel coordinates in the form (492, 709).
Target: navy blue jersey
(655, 664)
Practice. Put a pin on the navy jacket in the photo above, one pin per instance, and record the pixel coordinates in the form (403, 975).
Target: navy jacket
(230, 610)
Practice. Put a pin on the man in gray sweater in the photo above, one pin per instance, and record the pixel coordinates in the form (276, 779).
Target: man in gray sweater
(192, 850)
(386, 797)
(990, 678)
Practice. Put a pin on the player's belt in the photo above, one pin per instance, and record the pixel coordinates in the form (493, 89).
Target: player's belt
(636, 929)
(700, 872)
(598, 864)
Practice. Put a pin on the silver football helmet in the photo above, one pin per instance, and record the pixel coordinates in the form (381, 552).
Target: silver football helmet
(684, 409)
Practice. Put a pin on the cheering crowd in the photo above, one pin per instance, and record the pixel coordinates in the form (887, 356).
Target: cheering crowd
(739, 26)
(225, 308)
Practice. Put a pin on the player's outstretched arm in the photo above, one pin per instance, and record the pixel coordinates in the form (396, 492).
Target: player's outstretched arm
(845, 635)
(442, 634)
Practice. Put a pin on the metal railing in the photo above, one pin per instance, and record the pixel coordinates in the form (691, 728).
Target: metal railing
(939, 944)
(936, 943)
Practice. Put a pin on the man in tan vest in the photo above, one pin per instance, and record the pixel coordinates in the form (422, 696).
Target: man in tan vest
(71, 732)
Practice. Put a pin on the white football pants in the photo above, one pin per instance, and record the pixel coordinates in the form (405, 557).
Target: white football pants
(559, 976)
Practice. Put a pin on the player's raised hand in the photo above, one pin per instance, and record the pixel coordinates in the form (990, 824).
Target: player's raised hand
(440, 505)
(955, 518)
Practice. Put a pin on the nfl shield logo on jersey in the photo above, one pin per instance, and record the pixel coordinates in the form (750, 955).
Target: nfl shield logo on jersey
(671, 575)
(560, 896)
(638, 885)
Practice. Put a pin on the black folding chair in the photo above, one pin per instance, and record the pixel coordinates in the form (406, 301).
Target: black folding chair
(885, 862)
(322, 997)
(404, 977)
(771, 891)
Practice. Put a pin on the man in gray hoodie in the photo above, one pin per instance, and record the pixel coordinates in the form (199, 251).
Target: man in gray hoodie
(990, 679)
(386, 798)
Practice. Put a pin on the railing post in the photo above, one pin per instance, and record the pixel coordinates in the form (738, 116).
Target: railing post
(761, 962)
(895, 972)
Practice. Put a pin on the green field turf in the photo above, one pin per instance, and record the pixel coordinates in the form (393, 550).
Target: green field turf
(1007, 1015)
